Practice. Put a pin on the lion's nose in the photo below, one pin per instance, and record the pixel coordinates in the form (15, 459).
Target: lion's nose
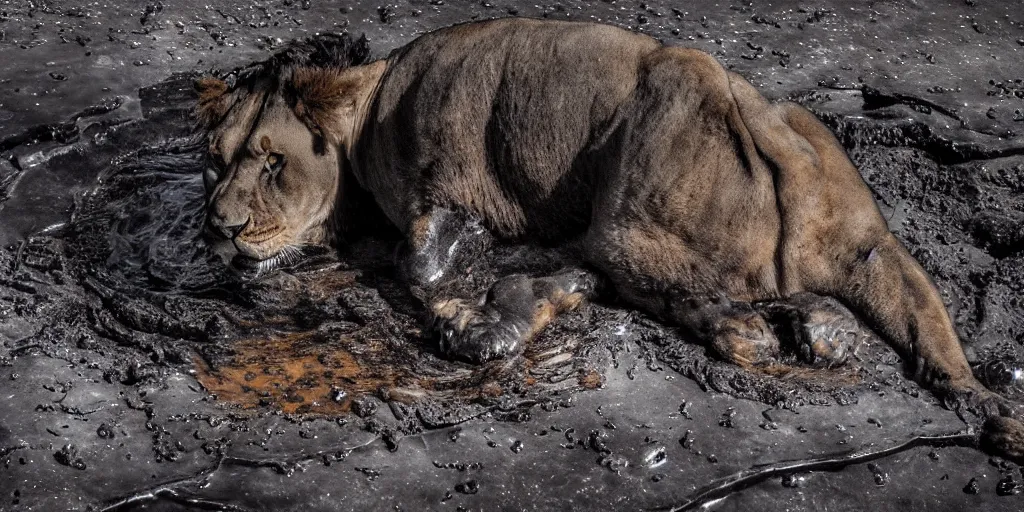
(220, 226)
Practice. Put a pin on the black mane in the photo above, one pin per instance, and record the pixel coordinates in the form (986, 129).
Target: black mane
(338, 51)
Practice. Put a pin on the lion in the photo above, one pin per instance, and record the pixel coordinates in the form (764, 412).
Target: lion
(678, 184)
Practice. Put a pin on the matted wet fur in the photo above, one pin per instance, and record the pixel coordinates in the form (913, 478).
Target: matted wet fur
(677, 182)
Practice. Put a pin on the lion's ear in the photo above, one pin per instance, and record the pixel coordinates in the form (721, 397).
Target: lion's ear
(213, 102)
(325, 99)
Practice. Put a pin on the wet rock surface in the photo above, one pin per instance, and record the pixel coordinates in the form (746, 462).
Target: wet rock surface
(138, 374)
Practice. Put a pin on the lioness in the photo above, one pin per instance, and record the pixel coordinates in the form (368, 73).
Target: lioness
(677, 181)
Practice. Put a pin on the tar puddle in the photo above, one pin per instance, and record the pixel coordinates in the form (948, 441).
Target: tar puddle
(310, 338)
(132, 280)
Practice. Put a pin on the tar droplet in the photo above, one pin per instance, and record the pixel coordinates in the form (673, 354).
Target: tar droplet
(1000, 374)
(105, 431)
(727, 416)
(972, 487)
(454, 434)
(655, 457)
(386, 13)
(517, 446)
(68, 456)
(794, 481)
(1007, 486)
(470, 487)
(595, 440)
(615, 463)
(684, 409)
(687, 440)
(881, 477)
(460, 466)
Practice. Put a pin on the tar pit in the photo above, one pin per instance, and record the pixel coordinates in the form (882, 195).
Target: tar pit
(139, 372)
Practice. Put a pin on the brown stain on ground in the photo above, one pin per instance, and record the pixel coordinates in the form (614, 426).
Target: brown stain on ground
(301, 372)
(306, 373)
(297, 373)
(313, 372)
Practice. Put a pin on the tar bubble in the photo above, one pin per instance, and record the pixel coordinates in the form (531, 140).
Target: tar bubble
(794, 481)
(972, 486)
(880, 476)
(1007, 486)
(655, 457)
(470, 487)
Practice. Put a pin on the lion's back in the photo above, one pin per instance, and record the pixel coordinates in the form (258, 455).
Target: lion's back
(521, 99)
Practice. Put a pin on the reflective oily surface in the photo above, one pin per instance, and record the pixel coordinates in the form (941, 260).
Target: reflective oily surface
(144, 375)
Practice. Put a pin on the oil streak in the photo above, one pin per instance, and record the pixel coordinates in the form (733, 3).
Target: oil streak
(722, 488)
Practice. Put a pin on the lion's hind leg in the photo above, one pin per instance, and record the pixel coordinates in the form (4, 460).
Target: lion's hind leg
(868, 269)
(649, 267)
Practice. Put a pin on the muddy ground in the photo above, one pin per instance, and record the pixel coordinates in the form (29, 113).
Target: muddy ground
(136, 373)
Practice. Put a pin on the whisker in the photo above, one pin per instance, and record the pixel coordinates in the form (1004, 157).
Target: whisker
(292, 254)
(287, 256)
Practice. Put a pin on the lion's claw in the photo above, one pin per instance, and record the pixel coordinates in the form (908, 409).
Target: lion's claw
(827, 341)
(477, 333)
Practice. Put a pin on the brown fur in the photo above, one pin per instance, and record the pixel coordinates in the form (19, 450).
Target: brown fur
(683, 183)
(211, 106)
(321, 97)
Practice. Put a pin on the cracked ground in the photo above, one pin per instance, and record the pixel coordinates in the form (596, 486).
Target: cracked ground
(137, 374)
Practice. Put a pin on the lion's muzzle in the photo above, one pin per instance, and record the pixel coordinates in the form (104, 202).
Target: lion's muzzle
(221, 227)
(247, 239)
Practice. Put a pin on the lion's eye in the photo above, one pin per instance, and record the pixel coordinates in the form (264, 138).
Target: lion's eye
(275, 162)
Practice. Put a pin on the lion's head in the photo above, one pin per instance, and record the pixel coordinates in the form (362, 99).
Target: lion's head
(277, 136)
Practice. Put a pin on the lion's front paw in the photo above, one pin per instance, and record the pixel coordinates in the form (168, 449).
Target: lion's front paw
(827, 333)
(820, 330)
(478, 333)
(514, 309)
(828, 342)
(744, 338)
